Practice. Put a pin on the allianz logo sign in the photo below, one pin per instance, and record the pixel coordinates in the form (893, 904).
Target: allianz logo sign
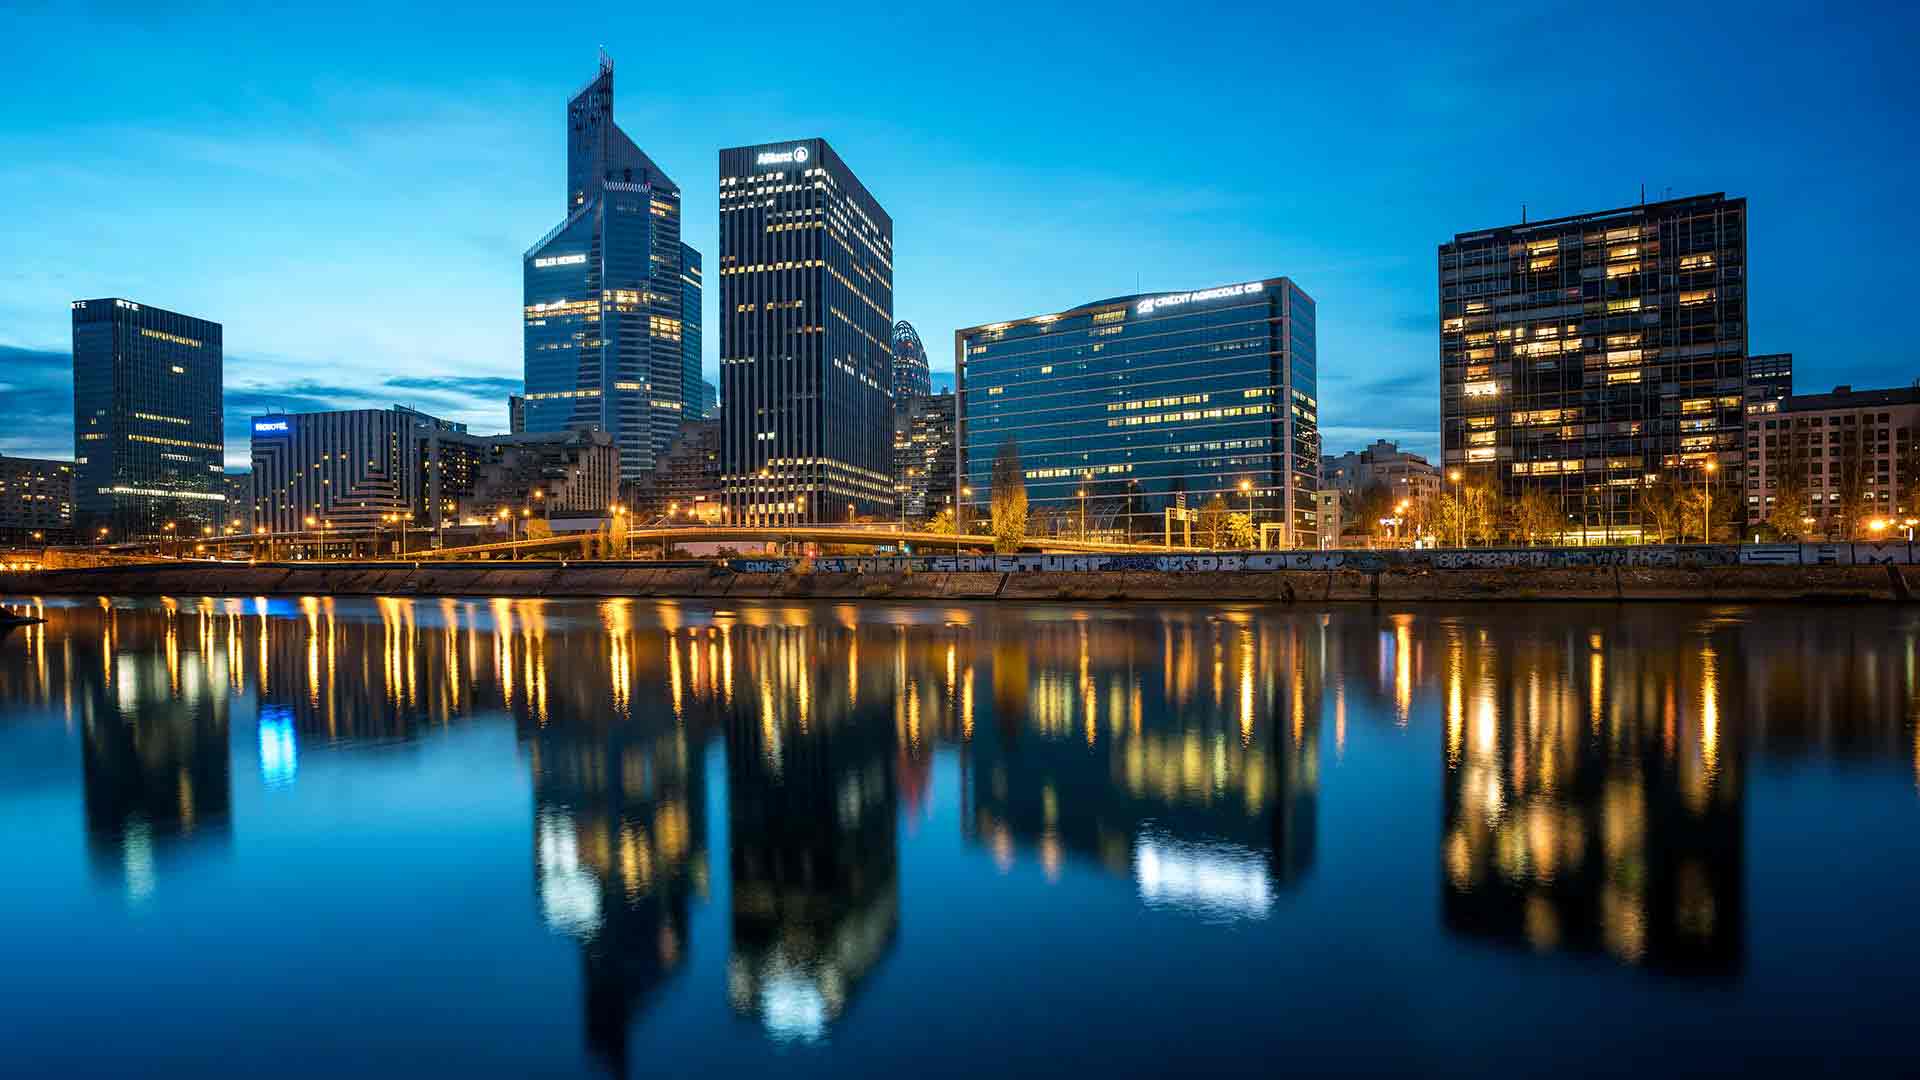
(795, 156)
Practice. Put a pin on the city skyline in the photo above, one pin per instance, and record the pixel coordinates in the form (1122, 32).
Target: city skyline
(357, 167)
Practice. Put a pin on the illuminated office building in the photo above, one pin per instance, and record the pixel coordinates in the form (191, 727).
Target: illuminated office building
(148, 446)
(1584, 356)
(1847, 455)
(604, 315)
(911, 376)
(923, 455)
(1151, 403)
(238, 484)
(344, 469)
(698, 392)
(806, 319)
(36, 500)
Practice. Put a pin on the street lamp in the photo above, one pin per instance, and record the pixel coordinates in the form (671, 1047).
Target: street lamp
(1082, 493)
(1910, 523)
(1706, 513)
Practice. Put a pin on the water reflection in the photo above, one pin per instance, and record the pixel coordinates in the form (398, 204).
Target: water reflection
(1594, 769)
(811, 802)
(1205, 798)
(619, 855)
(1594, 801)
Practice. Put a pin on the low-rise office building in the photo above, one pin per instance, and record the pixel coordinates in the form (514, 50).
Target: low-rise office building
(343, 469)
(1124, 409)
(1850, 457)
(689, 484)
(36, 500)
(1403, 474)
(923, 455)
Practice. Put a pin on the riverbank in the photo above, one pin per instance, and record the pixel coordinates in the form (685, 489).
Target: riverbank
(718, 582)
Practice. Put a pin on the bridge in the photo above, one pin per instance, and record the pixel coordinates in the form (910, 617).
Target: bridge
(417, 544)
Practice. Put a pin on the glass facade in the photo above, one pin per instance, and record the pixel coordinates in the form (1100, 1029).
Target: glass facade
(1124, 409)
(604, 314)
(1584, 356)
(148, 444)
(806, 318)
(911, 377)
(697, 404)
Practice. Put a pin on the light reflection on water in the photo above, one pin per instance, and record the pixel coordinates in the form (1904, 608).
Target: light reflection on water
(774, 806)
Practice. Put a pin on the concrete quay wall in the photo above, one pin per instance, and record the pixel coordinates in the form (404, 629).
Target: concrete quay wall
(1367, 578)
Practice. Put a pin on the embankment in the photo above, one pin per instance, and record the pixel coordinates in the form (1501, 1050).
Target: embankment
(1389, 583)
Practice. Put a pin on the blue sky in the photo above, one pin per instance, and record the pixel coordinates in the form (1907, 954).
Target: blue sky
(349, 191)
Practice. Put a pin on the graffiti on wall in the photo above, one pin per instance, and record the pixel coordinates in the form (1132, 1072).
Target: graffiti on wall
(1366, 562)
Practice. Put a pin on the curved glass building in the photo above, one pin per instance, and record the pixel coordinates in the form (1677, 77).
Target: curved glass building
(1124, 409)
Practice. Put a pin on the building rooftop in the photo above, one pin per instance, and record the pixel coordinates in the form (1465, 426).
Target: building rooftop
(1596, 217)
(1846, 397)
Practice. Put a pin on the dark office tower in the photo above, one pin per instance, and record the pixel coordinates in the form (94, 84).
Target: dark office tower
(806, 316)
(911, 377)
(516, 414)
(694, 404)
(1585, 356)
(603, 310)
(1130, 412)
(147, 441)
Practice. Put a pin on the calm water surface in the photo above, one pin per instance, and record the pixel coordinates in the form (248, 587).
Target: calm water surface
(436, 837)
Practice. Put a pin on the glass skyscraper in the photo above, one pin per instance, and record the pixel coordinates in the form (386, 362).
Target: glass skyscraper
(148, 443)
(806, 316)
(911, 376)
(697, 405)
(605, 317)
(1124, 409)
(1584, 357)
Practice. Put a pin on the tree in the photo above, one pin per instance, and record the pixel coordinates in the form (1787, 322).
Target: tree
(1662, 513)
(1907, 469)
(1374, 502)
(1787, 481)
(1240, 530)
(1009, 494)
(1211, 529)
(941, 522)
(1695, 504)
(1536, 516)
(1853, 482)
(1470, 513)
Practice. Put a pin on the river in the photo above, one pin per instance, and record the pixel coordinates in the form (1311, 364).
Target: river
(448, 837)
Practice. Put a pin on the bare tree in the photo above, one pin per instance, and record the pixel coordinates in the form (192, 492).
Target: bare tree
(1662, 515)
(1212, 526)
(1852, 480)
(1536, 516)
(1787, 473)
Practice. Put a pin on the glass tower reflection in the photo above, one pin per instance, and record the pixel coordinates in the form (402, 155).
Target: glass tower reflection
(811, 805)
(619, 853)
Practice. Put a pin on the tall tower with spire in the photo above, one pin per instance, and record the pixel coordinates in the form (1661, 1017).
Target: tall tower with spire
(603, 317)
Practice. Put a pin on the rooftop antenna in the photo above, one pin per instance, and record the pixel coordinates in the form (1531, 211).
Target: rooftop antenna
(606, 62)
(1523, 213)
(1643, 193)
